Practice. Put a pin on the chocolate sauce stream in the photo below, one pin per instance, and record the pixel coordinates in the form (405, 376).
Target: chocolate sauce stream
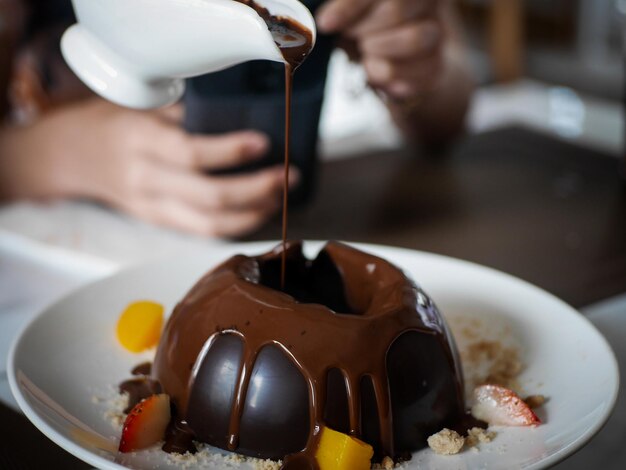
(353, 308)
(288, 89)
(239, 298)
(295, 43)
(294, 56)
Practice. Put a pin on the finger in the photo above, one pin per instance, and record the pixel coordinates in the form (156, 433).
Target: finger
(177, 214)
(337, 15)
(384, 71)
(258, 189)
(249, 190)
(228, 150)
(236, 224)
(176, 147)
(408, 87)
(404, 78)
(389, 14)
(407, 41)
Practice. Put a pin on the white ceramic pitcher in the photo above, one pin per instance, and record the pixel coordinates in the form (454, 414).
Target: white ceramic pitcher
(136, 53)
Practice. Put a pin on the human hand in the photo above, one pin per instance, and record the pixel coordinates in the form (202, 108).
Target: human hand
(144, 164)
(399, 42)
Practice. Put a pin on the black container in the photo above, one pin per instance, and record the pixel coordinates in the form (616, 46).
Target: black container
(252, 96)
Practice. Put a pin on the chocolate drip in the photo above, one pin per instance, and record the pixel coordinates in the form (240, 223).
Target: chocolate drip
(354, 404)
(245, 372)
(383, 406)
(241, 390)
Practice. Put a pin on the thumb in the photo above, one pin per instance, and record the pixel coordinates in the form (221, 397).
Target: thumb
(337, 15)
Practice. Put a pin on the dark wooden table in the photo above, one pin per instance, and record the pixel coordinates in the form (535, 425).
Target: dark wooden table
(549, 212)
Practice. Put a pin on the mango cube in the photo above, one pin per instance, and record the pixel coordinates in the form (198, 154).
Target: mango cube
(139, 326)
(338, 451)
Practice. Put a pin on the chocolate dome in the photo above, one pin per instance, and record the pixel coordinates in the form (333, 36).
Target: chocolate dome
(351, 342)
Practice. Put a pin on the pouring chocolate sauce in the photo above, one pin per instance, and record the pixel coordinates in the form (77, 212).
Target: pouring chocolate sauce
(361, 317)
(295, 43)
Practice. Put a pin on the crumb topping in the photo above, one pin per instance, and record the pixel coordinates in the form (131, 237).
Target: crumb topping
(504, 364)
(446, 442)
(489, 353)
(386, 464)
(477, 436)
(206, 456)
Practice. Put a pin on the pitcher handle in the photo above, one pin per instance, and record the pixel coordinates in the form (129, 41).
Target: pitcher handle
(111, 76)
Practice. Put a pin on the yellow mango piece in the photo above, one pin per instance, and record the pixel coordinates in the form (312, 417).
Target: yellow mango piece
(139, 326)
(338, 451)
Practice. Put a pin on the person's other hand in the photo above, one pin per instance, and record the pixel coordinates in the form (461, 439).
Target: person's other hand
(400, 42)
(144, 164)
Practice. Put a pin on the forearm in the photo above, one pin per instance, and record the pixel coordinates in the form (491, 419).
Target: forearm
(21, 176)
(13, 170)
(41, 160)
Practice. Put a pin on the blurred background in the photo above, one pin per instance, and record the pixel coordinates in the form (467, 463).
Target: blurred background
(555, 66)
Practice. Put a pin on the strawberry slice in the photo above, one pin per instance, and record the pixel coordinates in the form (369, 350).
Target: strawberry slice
(146, 423)
(501, 406)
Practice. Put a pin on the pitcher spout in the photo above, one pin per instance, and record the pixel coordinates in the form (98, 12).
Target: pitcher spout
(137, 53)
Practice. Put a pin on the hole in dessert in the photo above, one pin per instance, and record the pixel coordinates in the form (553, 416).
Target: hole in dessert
(317, 281)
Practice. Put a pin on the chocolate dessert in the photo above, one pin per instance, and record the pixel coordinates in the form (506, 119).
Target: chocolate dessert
(350, 343)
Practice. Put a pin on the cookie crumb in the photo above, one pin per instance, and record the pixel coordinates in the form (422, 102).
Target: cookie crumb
(446, 442)
(535, 401)
(116, 419)
(477, 436)
(208, 457)
(503, 363)
(266, 464)
(386, 464)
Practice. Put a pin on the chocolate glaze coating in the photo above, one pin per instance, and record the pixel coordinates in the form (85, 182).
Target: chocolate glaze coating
(256, 370)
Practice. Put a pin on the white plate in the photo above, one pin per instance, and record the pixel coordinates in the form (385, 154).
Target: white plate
(69, 354)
